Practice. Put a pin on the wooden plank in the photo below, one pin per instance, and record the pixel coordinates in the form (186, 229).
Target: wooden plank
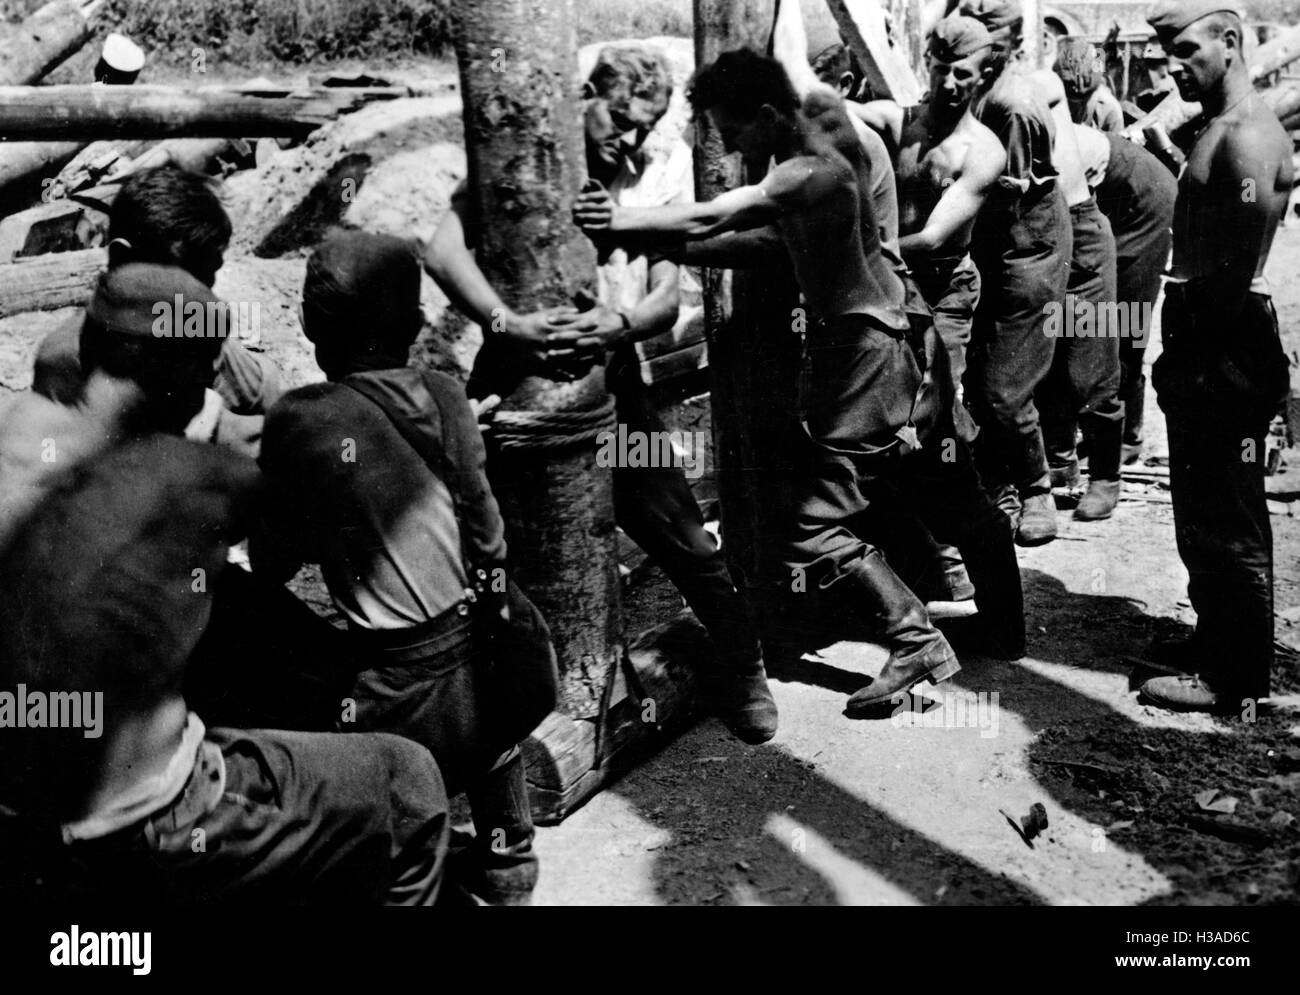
(680, 337)
(885, 63)
(39, 113)
(675, 364)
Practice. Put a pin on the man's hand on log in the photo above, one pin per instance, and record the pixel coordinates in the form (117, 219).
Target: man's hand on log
(593, 211)
(531, 334)
(575, 331)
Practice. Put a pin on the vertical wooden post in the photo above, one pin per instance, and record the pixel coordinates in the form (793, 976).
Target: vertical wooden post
(754, 351)
(523, 120)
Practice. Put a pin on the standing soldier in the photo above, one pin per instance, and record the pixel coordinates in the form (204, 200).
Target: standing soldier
(1223, 373)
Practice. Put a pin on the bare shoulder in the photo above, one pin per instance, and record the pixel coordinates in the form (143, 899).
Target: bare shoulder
(976, 151)
(804, 177)
(1252, 140)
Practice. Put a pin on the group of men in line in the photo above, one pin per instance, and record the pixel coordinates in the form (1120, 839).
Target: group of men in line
(251, 751)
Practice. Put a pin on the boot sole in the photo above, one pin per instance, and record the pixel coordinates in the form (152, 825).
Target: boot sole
(1022, 540)
(942, 672)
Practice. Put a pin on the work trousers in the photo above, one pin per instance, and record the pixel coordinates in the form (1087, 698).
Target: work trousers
(1137, 195)
(1219, 380)
(952, 289)
(1082, 388)
(310, 819)
(849, 504)
(1022, 247)
(430, 685)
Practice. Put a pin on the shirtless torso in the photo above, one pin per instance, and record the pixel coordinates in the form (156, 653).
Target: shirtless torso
(1242, 157)
(934, 155)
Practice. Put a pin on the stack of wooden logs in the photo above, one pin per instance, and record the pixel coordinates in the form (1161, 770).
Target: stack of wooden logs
(1282, 95)
(65, 149)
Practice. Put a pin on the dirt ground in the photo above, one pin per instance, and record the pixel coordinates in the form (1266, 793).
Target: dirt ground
(1143, 807)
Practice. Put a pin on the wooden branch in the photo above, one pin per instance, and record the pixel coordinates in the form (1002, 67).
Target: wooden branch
(90, 113)
(862, 26)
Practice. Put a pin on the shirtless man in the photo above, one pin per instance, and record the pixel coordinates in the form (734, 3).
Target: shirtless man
(1222, 374)
(1082, 384)
(867, 411)
(948, 164)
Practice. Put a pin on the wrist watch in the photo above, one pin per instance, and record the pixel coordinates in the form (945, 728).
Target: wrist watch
(627, 322)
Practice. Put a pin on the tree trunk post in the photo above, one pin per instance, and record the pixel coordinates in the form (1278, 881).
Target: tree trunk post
(751, 328)
(518, 69)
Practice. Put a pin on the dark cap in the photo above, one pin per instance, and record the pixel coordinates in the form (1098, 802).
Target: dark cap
(1169, 17)
(956, 37)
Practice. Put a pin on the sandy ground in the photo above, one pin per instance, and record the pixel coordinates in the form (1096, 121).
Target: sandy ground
(835, 811)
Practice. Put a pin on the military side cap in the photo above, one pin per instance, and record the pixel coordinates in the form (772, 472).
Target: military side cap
(956, 37)
(1169, 17)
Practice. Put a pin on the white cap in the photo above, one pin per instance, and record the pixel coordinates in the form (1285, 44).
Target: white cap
(122, 53)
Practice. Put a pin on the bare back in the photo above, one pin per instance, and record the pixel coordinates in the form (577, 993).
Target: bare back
(828, 226)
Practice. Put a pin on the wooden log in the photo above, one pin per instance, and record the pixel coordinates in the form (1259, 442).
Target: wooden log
(47, 37)
(568, 760)
(109, 112)
(886, 63)
(1276, 54)
(44, 283)
(526, 155)
(24, 161)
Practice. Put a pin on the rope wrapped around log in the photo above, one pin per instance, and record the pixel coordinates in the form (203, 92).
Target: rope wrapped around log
(552, 430)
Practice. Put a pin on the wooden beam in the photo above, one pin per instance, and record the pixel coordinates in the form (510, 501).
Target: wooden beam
(93, 112)
(885, 62)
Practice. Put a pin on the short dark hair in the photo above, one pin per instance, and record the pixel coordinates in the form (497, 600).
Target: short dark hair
(741, 82)
(833, 62)
(157, 209)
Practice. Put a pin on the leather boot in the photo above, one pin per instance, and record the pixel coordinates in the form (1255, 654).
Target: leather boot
(1037, 520)
(990, 557)
(917, 650)
(1098, 502)
(744, 703)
